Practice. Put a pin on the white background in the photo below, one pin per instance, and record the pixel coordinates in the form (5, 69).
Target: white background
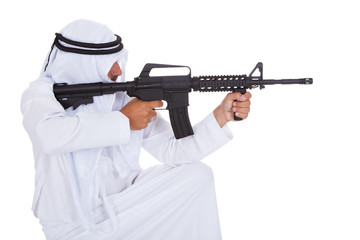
(292, 170)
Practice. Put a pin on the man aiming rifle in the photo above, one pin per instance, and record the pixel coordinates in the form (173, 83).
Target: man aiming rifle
(89, 184)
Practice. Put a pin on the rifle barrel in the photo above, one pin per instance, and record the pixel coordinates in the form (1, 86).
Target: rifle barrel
(283, 81)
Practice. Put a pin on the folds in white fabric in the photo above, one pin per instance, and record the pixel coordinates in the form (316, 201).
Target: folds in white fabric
(163, 203)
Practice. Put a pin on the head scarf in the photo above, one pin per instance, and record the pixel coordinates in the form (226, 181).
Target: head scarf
(74, 68)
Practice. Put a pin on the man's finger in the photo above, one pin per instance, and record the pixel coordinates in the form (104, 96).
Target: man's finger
(244, 97)
(233, 96)
(155, 104)
(238, 96)
(241, 115)
(241, 104)
(248, 95)
(242, 110)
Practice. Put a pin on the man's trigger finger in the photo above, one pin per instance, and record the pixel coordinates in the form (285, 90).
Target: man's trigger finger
(156, 104)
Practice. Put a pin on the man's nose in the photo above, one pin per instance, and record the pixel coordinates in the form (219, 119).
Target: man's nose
(115, 71)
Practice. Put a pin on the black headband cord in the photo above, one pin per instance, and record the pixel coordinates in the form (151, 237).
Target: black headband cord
(86, 48)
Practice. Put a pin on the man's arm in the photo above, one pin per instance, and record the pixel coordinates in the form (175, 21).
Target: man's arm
(160, 142)
(51, 130)
(209, 135)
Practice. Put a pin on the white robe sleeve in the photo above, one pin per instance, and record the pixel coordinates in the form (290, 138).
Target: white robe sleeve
(51, 130)
(160, 142)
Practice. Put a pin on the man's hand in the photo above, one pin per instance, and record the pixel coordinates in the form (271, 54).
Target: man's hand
(225, 111)
(140, 113)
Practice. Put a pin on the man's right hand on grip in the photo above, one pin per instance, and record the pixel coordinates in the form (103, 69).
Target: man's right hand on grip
(140, 113)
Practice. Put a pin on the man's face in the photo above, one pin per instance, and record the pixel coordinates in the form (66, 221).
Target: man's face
(114, 72)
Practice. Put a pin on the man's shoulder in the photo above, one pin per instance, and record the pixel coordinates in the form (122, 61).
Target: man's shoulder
(42, 83)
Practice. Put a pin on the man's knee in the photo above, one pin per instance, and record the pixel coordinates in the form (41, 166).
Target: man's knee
(198, 173)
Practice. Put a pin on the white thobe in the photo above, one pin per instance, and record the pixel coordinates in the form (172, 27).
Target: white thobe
(172, 201)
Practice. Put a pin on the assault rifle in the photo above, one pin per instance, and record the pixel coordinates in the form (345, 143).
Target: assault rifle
(173, 89)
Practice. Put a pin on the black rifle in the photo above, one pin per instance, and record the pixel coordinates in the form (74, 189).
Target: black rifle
(173, 89)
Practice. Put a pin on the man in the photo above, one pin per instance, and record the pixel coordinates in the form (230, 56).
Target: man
(89, 184)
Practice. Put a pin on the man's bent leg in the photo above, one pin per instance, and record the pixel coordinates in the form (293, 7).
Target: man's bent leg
(163, 203)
